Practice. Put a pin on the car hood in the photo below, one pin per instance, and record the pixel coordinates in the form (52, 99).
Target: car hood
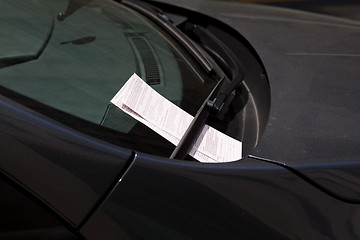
(312, 62)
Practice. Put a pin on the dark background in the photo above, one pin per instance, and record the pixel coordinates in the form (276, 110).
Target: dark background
(349, 9)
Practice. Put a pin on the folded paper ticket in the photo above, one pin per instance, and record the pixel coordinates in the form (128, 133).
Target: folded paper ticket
(143, 103)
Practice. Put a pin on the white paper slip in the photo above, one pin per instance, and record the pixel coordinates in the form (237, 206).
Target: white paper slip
(143, 103)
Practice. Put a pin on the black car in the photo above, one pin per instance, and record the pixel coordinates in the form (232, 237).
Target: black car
(284, 83)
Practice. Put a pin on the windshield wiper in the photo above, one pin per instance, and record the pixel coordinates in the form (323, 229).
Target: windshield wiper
(222, 56)
(210, 107)
(215, 101)
(160, 18)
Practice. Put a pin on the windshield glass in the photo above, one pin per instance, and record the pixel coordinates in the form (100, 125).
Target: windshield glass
(74, 56)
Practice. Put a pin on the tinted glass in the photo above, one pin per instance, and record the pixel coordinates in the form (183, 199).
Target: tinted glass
(74, 57)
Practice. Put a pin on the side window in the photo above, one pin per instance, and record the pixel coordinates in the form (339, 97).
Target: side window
(22, 218)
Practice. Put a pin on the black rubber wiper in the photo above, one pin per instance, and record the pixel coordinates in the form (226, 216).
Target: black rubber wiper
(222, 55)
(215, 101)
(160, 18)
(210, 107)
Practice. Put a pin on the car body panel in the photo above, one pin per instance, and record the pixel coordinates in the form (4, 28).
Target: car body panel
(184, 200)
(299, 183)
(67, 170)
(312, 62)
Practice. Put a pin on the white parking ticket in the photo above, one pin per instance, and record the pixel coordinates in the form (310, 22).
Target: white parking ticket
(143, 103)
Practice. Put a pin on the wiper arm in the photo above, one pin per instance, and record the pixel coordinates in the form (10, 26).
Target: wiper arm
(210, 107)
(197, 124)
(216, 99)
(159, 17)
(222, 55)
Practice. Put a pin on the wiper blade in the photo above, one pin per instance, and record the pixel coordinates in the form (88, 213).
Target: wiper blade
(232, 67)
(159, 17)
(197, 124)
(216, 99)
(208, 108)
(222, 55)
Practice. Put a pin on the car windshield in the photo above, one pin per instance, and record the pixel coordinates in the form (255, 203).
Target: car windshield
(74, 56)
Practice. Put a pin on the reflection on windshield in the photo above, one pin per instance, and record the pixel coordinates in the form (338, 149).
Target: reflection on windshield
(93, 49)
(90, 56)
(72, 7)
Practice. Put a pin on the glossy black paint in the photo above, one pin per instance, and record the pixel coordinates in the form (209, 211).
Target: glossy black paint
(69, 171)
(308, 189)
(22, 218)
(158, 199)
(312, 62)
